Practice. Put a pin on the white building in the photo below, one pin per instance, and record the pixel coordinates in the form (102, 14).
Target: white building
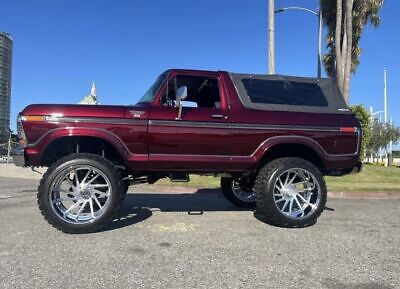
(91, 99)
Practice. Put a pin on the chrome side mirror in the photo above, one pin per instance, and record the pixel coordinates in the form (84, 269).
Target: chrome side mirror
(181, 94)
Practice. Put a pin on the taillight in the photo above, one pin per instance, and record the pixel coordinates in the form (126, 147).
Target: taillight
(348, 129)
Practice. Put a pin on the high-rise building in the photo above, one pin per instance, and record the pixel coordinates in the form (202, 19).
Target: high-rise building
(6, 47)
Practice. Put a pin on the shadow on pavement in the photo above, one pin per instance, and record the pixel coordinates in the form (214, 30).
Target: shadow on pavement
(138, 207)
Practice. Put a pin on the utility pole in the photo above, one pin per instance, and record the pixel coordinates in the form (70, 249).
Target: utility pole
(271, 37)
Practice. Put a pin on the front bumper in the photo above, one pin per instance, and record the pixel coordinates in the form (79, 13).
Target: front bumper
(18, 155)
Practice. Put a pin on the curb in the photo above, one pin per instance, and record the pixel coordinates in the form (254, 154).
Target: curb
(334, 195)
(365, 195)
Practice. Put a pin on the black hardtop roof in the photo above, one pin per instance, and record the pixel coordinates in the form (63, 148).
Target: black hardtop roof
(328, 86)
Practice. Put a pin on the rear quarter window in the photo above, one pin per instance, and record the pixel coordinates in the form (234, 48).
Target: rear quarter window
(284, 92)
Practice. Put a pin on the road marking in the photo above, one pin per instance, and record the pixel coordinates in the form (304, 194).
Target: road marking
(177, 227)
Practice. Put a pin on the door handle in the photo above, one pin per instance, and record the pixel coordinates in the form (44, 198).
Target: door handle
(219, 116)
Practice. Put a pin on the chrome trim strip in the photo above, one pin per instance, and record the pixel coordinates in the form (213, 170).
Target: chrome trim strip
(221, 125)
(109, 120)
(225, 125)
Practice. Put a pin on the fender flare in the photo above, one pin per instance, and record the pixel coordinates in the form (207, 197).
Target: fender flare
(52, 135)
(269, 143)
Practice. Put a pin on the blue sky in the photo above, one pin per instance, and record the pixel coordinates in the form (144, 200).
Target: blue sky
(61, 46)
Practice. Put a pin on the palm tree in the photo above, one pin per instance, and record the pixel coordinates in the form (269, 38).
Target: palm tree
(345, 21)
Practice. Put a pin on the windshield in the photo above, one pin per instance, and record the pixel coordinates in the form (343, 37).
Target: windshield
(151, 92)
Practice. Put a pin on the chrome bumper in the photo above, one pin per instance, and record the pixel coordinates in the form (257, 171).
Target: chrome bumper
(18, 156)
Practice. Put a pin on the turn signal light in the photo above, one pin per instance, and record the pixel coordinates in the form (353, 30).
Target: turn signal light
(33, 118)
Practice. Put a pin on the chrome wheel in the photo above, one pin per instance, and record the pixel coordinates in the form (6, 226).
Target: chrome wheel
(80, 194)
(297, 193)
(243, 194)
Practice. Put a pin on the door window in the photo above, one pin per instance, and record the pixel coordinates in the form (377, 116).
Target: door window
(203, 92)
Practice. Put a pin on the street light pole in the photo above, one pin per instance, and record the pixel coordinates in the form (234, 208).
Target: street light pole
(385, 109)
(384, 93)
(319, 42)
(319, 15)
(271, 37)
(380, 121)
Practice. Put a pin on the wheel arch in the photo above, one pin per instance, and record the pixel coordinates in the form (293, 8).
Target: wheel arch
(63, 142)
(292, 147)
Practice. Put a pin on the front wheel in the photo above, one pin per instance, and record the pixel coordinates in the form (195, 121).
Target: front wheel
(290, 192)
(80, 193)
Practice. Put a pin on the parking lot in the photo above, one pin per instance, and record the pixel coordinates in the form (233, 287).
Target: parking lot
(198, 240)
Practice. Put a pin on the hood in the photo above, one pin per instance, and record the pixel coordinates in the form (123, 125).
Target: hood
(75, 110)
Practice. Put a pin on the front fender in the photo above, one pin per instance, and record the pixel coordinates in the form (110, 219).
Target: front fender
(35, 150)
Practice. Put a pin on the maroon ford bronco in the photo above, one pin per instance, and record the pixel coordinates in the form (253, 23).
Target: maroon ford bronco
(270, 138)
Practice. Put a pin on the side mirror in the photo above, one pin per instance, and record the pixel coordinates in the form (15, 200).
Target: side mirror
(181, 94)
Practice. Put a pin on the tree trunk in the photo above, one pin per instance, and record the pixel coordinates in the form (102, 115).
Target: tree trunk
(338, 44)
(349, 46)
(343, 55)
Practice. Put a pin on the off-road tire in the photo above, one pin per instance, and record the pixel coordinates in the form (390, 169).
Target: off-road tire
(116, 182)
(264, 187)
(227, 191)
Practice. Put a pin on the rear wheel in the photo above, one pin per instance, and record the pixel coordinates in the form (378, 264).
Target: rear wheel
(290, 192)
(238, 192)
(80, 193)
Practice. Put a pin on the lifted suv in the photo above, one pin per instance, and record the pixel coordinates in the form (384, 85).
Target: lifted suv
(271, 139)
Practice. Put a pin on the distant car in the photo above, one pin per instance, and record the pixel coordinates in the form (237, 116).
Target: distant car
(271, 139)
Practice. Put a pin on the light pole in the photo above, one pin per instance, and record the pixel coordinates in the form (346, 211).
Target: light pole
(372, 113)
(385, 108)
(384, 93)
(271, 37)
(319, 15)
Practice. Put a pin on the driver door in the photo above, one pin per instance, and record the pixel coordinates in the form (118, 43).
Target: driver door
(199, 140)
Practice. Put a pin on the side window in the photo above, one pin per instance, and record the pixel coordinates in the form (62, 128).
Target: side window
(202, 91)
(284, 92)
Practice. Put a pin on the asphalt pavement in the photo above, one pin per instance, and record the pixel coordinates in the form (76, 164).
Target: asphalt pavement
(198, 240)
